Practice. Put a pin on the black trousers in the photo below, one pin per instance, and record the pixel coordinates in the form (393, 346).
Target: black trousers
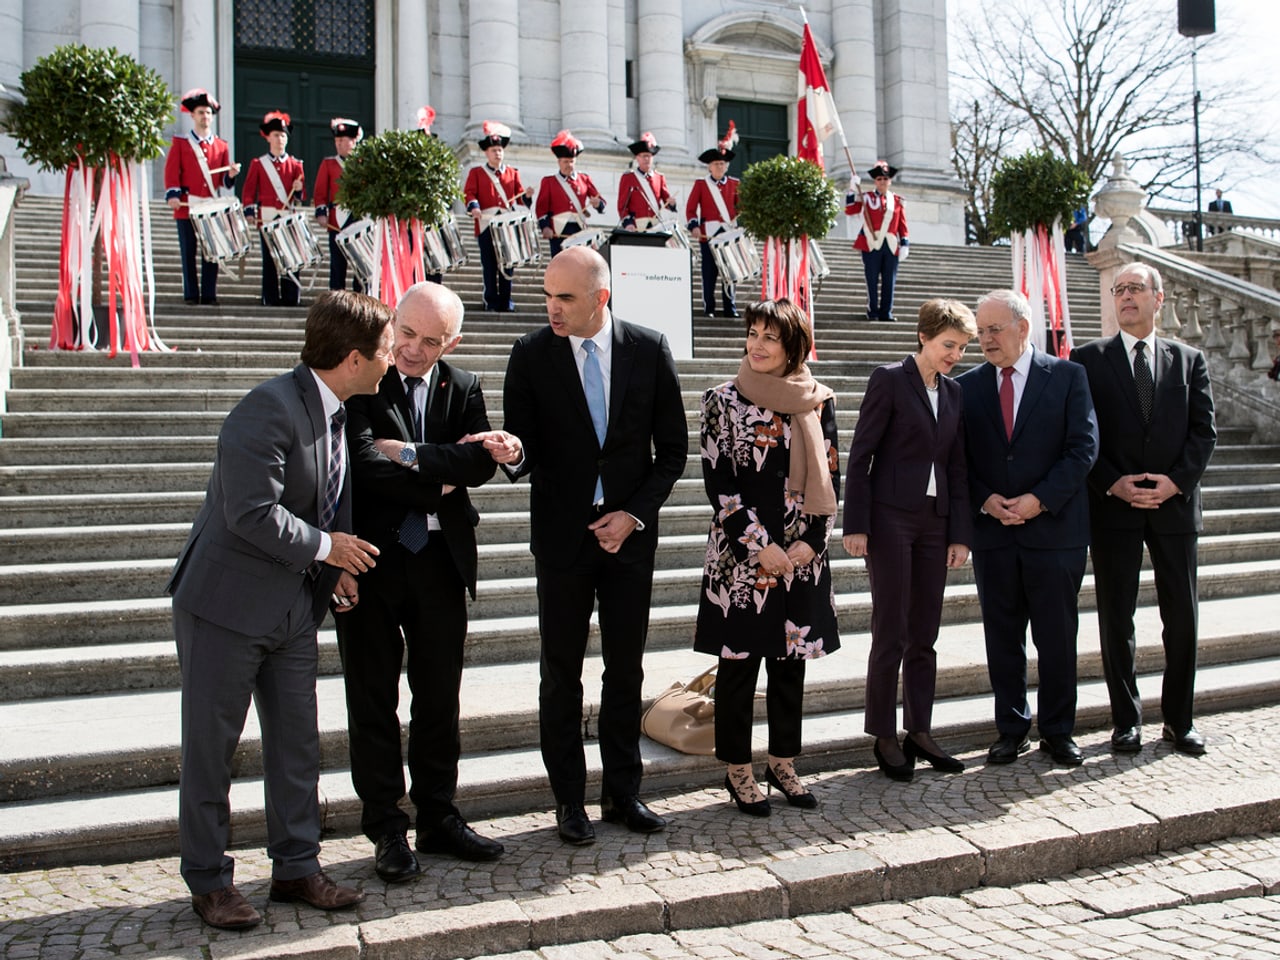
(412, 614)
(710, 277)
(207, 291)
(735, 696)
(565, 601)
(277, 291)
(1018, 586)
(497, 285)
(1117, 560)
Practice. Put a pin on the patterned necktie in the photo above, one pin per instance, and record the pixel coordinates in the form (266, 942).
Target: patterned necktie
(593, 384)
(414, 532)
(1142, 380)
(333, 487)
(1006, 400)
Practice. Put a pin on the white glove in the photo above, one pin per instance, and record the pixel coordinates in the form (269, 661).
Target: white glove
(903, 251)
(855, 182)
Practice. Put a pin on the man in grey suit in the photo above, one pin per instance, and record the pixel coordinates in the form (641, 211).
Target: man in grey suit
(267, 551)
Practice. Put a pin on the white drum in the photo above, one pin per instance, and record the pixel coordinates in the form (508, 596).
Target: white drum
(442, 247)
(290, 242)
(359, 244)
(735, 255)
(817, 262)
(515, 239)
(222, 232)
(593, 238)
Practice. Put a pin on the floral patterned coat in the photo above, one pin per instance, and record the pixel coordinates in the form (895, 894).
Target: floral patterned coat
(743, 610)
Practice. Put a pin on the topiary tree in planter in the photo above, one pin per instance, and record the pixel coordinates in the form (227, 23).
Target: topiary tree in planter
(99, 115)
(404, 180)
(789, 202)
(1032, 197)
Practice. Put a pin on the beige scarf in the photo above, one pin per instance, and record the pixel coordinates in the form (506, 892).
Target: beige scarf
(801, 396)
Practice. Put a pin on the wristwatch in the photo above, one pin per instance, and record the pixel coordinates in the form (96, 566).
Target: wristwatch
(409, 455)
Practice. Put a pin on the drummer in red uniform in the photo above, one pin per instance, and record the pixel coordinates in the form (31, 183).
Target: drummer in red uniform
(882, 239)
(196, 166)
(491, 188)
(711, 208)
(566, 199)
(642, 192)
(331, 217)
(273, 183)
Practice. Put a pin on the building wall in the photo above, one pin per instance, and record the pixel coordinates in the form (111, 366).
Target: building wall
(886, 60)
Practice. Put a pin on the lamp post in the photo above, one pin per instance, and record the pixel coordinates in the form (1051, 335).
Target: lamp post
(1195, 19)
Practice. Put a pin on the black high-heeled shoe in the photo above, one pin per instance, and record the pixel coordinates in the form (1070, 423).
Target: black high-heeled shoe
(760, 808)
(804, 800)
(901, 772)
(939, 761)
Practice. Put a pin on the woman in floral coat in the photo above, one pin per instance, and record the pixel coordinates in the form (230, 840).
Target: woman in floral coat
(770, 462)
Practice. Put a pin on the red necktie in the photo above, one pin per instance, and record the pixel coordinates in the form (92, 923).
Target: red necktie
(1006, 400)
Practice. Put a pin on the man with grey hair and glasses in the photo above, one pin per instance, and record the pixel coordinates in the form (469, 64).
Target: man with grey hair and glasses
(1157, 434)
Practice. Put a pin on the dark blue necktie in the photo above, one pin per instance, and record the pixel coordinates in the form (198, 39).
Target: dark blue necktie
(413, 533)
(593, 384)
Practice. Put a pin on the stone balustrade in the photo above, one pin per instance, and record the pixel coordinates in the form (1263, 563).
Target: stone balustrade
(1231, 321)
(1214, 223)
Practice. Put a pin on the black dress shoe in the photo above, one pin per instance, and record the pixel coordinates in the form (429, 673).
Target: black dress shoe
(1190, 743)
(1126, 741)
(942, 762)
(1008, 748)
(209, 302)
(805, 800)
(454, 838)
(191, 301)
(393, 861)
(573, 825)
(629, 810)
(901, 772)
(1062, 748)
(732, 314)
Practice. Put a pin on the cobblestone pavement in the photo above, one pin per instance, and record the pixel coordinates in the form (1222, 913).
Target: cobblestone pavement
(1122, 911)
(954, 832)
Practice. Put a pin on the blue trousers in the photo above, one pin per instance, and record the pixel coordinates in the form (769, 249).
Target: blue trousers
(208, 289)
(881, 270)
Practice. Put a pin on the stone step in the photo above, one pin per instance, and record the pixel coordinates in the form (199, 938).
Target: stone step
(132, 823)
(67, 544)
(35, 638)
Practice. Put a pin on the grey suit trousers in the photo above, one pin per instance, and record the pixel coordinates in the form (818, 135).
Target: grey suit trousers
(221, 670)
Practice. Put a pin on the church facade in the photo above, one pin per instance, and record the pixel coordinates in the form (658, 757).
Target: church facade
(607, 70)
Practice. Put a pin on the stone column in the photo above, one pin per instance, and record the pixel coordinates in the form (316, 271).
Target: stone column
(913, 61)
(11, 24)
(660, 43)
(494, 52)
(110, 23)
(413, 62)
(198, 56)
(853, 81)
(584, 69)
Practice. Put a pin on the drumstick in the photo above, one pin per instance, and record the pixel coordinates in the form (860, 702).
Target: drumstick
(220, 169)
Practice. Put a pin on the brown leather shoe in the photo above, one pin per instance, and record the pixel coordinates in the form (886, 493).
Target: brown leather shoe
(317, 890)
(226, 908)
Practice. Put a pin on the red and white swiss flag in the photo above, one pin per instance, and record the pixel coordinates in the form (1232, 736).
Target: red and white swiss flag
(816, 113)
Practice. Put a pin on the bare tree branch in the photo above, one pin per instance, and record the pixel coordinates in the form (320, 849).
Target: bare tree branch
(1088, 79)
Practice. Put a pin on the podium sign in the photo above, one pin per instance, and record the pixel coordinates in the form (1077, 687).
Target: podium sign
(651, 287)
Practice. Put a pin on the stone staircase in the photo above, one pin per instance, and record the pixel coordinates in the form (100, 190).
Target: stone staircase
(102, 467)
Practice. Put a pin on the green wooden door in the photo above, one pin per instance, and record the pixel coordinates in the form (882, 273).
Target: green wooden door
(313, 59)
(762, 131)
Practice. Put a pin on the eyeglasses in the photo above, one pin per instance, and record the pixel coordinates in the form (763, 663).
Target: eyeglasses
(992, 331)
(1120, 289)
